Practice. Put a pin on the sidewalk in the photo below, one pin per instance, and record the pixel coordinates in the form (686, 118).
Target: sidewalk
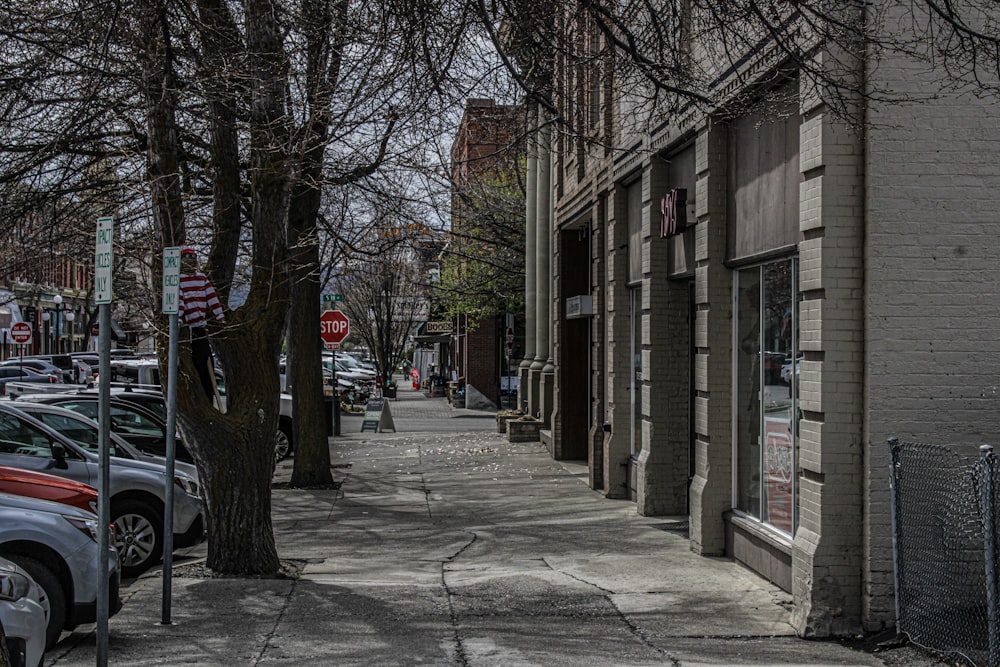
(459, 548)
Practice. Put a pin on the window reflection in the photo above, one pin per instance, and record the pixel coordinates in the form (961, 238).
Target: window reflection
(767, 393)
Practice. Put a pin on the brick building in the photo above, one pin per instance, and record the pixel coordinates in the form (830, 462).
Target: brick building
(484, 157)
(762, 297)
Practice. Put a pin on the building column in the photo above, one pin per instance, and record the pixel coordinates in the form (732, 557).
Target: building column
(661, 467)
(548, 374)
(827, 556)
(530, 214)
(598, 343)
(712, 486)
(543, 233)
(617, 352)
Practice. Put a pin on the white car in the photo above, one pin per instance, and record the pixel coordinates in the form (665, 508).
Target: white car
(786, 369)
(24, 613)
(57, 545)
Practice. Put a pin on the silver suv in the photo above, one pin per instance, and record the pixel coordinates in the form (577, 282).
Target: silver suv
(137, 486)
(57, 545)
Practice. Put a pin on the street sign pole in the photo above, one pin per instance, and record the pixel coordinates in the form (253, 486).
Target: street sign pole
(334, 326)
(102, 296)
(170, 303)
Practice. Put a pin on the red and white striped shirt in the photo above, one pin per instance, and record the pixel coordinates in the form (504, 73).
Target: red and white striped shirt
(196, 296)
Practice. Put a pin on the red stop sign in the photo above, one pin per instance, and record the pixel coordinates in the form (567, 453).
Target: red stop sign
(21, 333)
(334, 327)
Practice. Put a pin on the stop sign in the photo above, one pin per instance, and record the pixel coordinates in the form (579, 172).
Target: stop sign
(334, 327)
(21, 333)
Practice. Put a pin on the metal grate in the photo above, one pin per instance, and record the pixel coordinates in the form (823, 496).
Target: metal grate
(944, 549)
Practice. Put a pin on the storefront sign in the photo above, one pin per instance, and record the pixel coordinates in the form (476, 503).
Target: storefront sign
(673, 210)
(439, 327)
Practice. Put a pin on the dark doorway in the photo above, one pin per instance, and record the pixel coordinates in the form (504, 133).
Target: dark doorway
(574, 366)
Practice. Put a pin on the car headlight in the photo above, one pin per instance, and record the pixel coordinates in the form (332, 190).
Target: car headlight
(86, 526)
(187, 484)
(13, 585)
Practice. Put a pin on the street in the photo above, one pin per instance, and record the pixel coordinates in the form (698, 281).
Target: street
(447, 545)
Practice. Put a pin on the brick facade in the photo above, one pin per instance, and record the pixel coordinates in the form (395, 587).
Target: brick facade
(897, 267)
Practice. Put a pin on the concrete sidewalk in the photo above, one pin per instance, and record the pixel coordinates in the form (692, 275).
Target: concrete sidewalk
(450, 547)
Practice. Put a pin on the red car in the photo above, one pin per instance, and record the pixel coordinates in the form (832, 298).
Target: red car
(48, 487)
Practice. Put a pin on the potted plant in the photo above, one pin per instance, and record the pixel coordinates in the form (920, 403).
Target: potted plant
(389, 391)
(505, 416)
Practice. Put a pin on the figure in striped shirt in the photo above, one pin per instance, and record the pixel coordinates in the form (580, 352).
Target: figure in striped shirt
(197, 296)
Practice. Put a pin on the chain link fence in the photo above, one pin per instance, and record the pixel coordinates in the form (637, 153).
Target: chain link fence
(944, 548)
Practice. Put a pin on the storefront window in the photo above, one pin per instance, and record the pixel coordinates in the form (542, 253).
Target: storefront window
(766, 393)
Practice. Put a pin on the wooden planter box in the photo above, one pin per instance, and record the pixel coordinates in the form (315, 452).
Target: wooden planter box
(523, 431)
(389, 392)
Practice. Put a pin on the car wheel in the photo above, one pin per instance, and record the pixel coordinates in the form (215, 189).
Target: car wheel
(53, 590)
(138, 536)
(283, 442)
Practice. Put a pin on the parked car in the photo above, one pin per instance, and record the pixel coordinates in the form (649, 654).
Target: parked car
(772, 366)
(145, 374)
(24, 613)
(15, 374)
(137, 487)
(74, 371)
(57, 545)
(137, 421)
(83, 430)
(39, 365)
(20, 482)
(786, 369)
(355, 366)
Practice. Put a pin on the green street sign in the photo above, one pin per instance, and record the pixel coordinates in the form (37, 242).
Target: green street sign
(333, 297)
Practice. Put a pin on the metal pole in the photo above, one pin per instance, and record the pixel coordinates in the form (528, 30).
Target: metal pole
(168, 509)
(897, 561)
(990, 549)
(104, 505)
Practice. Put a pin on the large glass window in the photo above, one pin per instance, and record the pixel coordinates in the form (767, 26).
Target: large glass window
(766, 393)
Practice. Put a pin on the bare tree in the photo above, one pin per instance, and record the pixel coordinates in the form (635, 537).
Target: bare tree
(384, 294)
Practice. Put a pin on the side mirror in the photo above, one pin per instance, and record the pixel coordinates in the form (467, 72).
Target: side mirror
(59, 454)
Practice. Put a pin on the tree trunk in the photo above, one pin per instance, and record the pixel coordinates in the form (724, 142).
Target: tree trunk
(234, 451)
(312, 449)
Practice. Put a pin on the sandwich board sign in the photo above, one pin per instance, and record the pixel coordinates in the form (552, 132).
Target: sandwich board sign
(377, 416)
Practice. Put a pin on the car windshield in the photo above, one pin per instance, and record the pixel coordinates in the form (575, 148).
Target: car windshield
(124, 421)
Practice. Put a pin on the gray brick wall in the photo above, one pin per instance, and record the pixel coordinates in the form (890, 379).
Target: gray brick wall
(933, 287)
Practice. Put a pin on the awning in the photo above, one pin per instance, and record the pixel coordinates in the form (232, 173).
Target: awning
(430, 339)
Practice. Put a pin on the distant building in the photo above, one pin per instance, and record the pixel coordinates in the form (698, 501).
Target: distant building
(485, 165)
